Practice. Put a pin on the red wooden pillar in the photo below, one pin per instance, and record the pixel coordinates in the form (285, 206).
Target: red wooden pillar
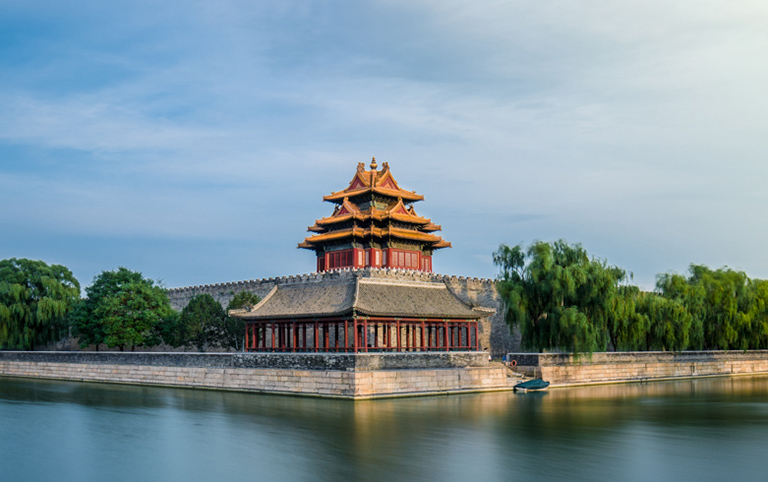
(365, 334)
(354, 335)
(445, 335)
(399, 335)
(423, 348)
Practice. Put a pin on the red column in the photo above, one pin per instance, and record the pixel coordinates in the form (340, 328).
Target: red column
(399, 336)
(355, 335)
(273, 335)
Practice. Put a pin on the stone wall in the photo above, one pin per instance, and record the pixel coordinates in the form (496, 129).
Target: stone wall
(494, 332)
(356, 380)
(565, 369)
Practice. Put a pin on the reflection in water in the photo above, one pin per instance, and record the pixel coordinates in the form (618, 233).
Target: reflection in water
(711, 429)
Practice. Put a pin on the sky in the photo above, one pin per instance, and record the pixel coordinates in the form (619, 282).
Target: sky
(193, 141)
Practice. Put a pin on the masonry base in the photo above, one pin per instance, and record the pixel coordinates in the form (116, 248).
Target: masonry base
(600, 368)
(449, 373)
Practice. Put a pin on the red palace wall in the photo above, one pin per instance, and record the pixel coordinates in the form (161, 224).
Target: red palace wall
(376, 258)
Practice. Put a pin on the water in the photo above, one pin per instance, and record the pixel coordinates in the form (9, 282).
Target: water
(695, 430)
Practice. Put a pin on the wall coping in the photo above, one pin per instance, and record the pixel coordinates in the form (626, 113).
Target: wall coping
(562, 359)
(298, 361)
(347, 273)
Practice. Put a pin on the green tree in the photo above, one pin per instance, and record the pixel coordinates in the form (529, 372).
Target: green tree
(203, 321)
(35, 299)
(234, 328)
(627, 329)
(724, 305)
(131, 316)
(122, 309)
(558, 296)
(666, 322)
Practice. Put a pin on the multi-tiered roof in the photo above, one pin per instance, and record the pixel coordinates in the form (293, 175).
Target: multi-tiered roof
(374, 215)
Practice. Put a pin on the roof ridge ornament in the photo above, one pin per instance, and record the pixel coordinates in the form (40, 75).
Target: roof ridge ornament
(373, 164)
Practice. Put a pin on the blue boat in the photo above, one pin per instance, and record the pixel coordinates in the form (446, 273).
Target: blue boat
(531, 385)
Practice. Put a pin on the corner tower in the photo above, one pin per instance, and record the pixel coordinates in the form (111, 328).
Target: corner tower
(373, 224)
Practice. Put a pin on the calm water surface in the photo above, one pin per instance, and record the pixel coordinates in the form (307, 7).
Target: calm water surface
(715, 429)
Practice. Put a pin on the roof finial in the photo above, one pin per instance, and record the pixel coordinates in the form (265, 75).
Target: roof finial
(373, 163)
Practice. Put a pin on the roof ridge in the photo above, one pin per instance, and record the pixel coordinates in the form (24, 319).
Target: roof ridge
(401, 282)
(269, 295)
(357, 293)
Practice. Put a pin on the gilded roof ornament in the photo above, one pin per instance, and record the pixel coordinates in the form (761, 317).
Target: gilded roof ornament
(373, 163)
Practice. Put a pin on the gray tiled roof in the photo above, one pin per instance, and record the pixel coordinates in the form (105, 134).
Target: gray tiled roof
(365, 296)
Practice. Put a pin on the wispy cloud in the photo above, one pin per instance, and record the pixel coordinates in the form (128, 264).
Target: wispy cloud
(637, 128)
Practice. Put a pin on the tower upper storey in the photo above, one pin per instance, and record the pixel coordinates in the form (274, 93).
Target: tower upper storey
(374, 224)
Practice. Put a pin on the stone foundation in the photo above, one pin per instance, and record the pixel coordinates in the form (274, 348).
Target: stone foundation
(563, 369)
(355, 376)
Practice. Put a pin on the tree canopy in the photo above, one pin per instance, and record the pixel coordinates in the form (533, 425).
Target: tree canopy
(558, 296)
(561, 299)
(122, 309)
(35, 299)
(202, 321)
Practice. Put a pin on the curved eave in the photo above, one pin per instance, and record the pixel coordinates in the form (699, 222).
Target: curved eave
(375, 215)
(434, 242)
(338, 197)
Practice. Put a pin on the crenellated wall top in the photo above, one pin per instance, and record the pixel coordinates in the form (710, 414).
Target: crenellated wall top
(342, 274)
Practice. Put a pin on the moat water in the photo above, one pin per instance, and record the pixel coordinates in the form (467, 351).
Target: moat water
(693, 430)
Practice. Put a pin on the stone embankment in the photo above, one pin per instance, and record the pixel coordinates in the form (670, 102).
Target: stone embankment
(565, 369)
(360, 376)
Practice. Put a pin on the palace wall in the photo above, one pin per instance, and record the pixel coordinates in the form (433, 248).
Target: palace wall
(613, 367)
(359, 376)
(494, 332)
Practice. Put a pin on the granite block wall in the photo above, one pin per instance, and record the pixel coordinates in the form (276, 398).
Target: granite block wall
(565, 369)
(233, 372)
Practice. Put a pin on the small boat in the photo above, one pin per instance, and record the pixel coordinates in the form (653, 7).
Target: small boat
(531, 385)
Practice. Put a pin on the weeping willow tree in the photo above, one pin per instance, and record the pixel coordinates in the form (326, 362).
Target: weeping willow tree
(35, 299)
(728, 309)
(560, 298)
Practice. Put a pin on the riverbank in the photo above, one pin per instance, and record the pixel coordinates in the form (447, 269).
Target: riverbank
(372, 375)
(342, 375)
(618, 367)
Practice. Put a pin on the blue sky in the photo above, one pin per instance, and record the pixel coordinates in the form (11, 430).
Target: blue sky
(193, 141)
